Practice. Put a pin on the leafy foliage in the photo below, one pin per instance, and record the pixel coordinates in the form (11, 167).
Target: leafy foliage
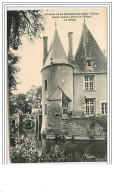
(12, 104)
(25, 151)
(102, 120)
(23, 22)
(20, 23)
(13, 69)
(34, 96)
(19, 103)
(22, 104)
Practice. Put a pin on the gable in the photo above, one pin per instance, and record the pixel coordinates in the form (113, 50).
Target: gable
(56, 95)
(89, 49)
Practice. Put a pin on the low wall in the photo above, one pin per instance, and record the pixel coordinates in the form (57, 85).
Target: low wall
(85, 127)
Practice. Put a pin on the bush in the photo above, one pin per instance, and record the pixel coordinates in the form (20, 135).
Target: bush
(102, 120)
(26, 152)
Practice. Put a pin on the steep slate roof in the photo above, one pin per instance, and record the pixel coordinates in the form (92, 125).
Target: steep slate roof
(56, 52)
(89, 49)
(58, 94)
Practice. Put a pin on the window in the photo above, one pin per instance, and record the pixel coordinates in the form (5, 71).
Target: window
(57, 114)
(89, 82)
(89, 62)
(65, 106)
(65, 110)
(64, 103)
(90, 106)
(45, 108)
(104, 108)
(45, 84)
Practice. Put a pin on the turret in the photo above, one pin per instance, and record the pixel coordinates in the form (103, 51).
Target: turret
(57, 84)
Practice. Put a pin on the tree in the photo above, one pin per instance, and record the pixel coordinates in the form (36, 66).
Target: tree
(20, 23)
(22, 104)
(12, 70)
(23, 22)
(39, 93)
(34, 96)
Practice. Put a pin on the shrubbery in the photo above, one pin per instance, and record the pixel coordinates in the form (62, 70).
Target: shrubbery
(102, 120)
(25, 151)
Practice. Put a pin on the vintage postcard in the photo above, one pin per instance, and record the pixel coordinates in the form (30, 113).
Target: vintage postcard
(57, 83)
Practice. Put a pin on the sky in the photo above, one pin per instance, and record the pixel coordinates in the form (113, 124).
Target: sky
(31, 53)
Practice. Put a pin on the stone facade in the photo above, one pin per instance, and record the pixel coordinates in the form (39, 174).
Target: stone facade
(76, 85)
(61, 77)
(99, 94)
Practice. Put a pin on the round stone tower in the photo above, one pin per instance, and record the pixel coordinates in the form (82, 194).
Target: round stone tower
(57, 84)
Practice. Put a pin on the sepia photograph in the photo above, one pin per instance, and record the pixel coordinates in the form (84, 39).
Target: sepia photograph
(57, 85)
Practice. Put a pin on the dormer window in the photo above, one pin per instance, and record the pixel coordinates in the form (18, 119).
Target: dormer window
(89, 62)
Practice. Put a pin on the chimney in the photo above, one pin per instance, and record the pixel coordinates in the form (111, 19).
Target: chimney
(45, 48)
(70, 52)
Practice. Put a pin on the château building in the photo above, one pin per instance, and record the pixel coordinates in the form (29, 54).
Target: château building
(76, 85)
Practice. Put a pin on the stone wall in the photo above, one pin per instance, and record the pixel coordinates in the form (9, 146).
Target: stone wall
(85, 127)
(54, 117)
(63, 76)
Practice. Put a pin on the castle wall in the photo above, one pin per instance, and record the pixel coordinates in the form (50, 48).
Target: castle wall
(83, 127)
(46, 75)
(99, 93)
(63, 76)
(54, 117)
(78, 127)
(55, 75)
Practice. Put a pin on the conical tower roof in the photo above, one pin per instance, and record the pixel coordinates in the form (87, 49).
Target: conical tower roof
(89, 49)
(56, 52)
